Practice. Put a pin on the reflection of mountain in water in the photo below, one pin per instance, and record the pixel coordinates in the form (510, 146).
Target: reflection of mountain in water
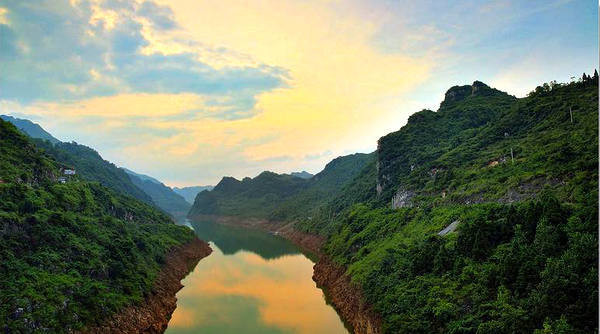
(231, 239)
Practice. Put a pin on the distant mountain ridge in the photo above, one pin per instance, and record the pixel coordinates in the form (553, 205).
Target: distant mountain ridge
(30, 128)
(163, 196)
(92, 167)
(256, 196)
(303, 174)
(141, 176)
(278, 196)
(189, 193)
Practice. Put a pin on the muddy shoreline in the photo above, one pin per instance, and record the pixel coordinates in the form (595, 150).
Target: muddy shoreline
(153, 315)
(345, 296)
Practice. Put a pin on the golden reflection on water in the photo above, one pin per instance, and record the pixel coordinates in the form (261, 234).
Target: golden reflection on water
(244, 293)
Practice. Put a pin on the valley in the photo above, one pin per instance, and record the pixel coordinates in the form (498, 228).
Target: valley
(476, 217)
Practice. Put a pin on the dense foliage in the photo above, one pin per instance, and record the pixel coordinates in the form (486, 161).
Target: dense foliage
(72, 253)
(91, 167)
(255, 197)
(509, 269)
(279, 196)
(524, 256)
(475, 164)
(518, 178)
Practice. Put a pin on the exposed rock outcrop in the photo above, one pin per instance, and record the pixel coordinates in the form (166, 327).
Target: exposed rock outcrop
(402, 198)
(346, 297)
(153, 315)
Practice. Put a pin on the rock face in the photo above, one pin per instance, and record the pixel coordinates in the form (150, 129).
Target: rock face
(402, 198)
(346, 297)
(153, 315)
(459, 93)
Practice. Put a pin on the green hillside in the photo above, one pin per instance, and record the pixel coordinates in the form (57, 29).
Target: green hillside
(163, 196)
(322, 186)
(249, 198)
(480, 217)
(279, 196)
(91, 167)
(70, 253)
(523, 257)
(29, 128)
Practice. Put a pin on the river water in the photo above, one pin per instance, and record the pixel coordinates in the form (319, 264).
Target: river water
(253, 282)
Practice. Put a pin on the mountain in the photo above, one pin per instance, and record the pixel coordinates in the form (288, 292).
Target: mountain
(256, 197)
(86, 161)
(324, 185)
(29, 128)
(479, 217)
(141, 176)
(278, 196)
(71, 254)
(92, 167)
(303, 174)
(515, 181)
(163, 196)
(189, 193)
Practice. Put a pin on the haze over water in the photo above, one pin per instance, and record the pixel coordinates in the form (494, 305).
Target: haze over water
(253, 282)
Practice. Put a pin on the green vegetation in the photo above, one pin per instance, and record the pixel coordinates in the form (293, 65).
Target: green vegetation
(519, 180)
(279, 196)
(29, 128)
(256, 197)
(509, 269)
(524, 256)
(70, 254)
(321, 187)
(91, 167)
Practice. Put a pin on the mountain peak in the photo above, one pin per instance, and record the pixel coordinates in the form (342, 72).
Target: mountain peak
(459, 93)
(303, 174)
(30, 128)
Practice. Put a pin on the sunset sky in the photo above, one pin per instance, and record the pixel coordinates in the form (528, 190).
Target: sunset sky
(189, 91)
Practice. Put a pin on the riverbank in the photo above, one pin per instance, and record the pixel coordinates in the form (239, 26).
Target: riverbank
(345, 296)
(153, 315)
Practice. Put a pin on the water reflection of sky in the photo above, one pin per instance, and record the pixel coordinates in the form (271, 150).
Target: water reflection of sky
(242, 291)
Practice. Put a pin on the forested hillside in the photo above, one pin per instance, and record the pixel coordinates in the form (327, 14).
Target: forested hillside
(29, 128)
(249, 198)
(457, 235)
(70, 253)
(92, 167)
(480, 217)
(278, 196)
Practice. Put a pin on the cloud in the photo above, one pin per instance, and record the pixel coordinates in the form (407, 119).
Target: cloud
(161, 17)
(189, 91)
(71, 51)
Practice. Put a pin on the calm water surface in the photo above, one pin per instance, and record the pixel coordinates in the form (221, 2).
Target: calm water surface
(253, 282)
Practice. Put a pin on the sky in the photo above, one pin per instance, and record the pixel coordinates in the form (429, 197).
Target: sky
(188, 91)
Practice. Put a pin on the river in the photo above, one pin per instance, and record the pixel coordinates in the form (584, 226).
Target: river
(253, 282)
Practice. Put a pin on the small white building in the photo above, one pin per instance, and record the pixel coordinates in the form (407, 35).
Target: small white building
(69, 172)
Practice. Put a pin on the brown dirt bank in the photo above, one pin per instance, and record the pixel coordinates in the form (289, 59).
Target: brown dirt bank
(345, 296)
(153, 315)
